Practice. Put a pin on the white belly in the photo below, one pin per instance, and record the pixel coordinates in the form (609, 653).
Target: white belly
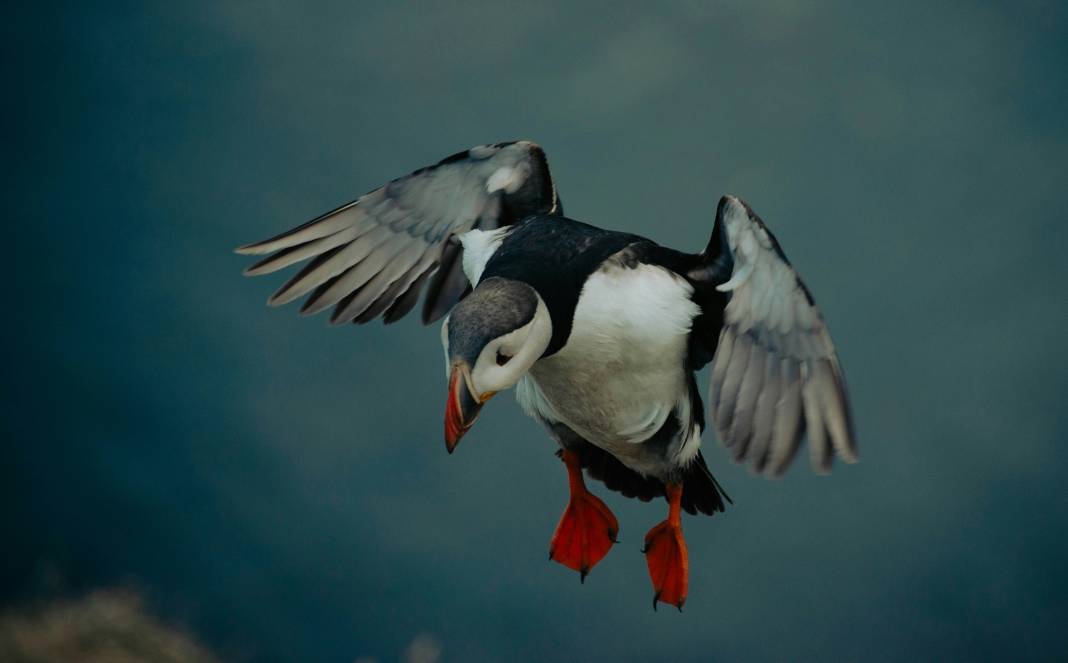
(622, 370)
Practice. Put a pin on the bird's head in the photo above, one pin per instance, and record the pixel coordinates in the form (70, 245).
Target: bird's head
(491, 339)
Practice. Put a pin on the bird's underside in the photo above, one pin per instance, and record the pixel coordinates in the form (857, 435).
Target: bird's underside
(602, 331)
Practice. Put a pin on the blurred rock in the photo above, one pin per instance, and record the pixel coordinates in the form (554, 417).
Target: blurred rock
(106, 626)
(424, 648)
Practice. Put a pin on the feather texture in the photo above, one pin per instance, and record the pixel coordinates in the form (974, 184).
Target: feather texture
(775, 373)
(379, 250)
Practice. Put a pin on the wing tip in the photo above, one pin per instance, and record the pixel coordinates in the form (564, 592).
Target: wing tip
(254, 249)
(283, 296)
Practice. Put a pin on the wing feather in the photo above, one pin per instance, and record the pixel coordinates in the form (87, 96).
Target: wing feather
(406, 301)
(741, 429)
(732, 382)
(789, 420)
(373, 256)
(764, 414)
(775, 373)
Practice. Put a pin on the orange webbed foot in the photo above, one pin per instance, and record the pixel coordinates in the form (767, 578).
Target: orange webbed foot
(665, 554)
(587, 529)
(585, 534)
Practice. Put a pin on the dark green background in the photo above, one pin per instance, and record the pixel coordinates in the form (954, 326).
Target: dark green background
(281, 487)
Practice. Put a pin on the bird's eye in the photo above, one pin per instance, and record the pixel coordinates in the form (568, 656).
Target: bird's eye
(502, 358)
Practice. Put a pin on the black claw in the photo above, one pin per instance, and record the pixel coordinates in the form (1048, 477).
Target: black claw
(550, 555)
(583, 572)
(656, 597)
(680, 607)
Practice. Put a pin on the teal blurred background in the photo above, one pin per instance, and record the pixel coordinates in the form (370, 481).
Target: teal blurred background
(280, 488)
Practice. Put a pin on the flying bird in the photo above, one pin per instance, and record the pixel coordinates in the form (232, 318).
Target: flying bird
(600, 332)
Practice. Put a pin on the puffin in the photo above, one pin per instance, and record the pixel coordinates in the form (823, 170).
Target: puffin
(601, 333)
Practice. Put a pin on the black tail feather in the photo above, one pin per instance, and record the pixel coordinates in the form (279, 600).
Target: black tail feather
(701, 493)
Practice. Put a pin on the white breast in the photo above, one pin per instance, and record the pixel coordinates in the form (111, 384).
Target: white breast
(623, 369)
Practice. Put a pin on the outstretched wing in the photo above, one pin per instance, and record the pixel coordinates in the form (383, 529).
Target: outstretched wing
(775, 373)
(373, 256)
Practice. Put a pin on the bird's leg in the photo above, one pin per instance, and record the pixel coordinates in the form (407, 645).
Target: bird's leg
(665, 553)
(587, 529)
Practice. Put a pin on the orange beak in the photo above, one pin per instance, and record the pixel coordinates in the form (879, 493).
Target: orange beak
(462, 407)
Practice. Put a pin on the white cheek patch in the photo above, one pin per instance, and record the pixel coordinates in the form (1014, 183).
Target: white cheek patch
(527, 343)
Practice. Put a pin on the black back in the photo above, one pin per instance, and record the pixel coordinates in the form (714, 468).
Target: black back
(555, 256)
